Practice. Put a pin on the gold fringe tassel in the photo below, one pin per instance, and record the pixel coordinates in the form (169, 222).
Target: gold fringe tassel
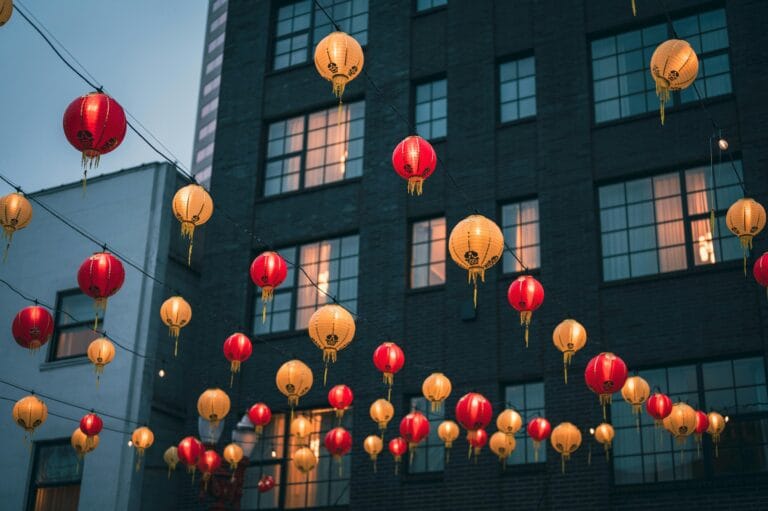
(415, 185)
(663, 94)
(634, 8)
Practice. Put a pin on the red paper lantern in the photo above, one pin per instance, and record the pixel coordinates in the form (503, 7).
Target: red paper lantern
(702, 424)
(237, 349)
(260, 415)
(414, 428)
(659, 406)
(32, 327)
(397, 446)
(389, 359)
(473, 411)
(477, 440)
(539, 430)
(209, 462)
(268, 271)
(266, 483)
(414, 159)
(605, 374)
(525, 295)
(94, 124)
(101, 276)
(189, 451)
(338, 442)
(91, 424)
(760, 270)
(340, 398)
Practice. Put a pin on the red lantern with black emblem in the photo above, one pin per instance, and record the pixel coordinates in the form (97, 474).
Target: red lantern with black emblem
(389, 359)
(100, 276)
(189, 451)
(658, 406)
(340, 398)
(32, 327)
(237, 349)
(397, 446)
(414, 428)
(539, 430)
(268, 271)
(259, 415)
(525, 295)
(605, 374)
(414, 159)
(91, 424)
(473, 411)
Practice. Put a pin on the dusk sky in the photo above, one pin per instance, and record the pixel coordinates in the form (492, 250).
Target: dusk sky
(146, 54)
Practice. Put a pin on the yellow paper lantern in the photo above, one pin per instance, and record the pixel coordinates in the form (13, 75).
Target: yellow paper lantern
(294, 379)
(569, 337)
(6, 10)
(192, 206)
(502, 445)
(339, 59)
(304, 459)
(373, 445)
(332, 329)
(674, 66)
(171, 458)
(142, 439)
(101, 352)
(15, 209)
(213, 406)
(30, 413)
(436, 389)
(476, 244)
(233, 454)
(681, 422)
(565, 439)
(745, 219)
(301, 428)
(509, 422)
(382, 412)
(448, 431)
(715, 429)
(176, 313)
(82, 443)
(604, 434)
(636, 392)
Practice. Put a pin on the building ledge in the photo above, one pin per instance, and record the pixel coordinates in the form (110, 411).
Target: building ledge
(67, 362)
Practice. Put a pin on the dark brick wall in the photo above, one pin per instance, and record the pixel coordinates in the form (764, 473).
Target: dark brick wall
(558, 157)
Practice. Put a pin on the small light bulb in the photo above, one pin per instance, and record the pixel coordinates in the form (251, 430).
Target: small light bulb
(130, 443)
(274, 454)
(161, 373)
(722, 144)
(591, 431)
(727, 418)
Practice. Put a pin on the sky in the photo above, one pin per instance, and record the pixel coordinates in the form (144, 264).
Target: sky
(147, 54)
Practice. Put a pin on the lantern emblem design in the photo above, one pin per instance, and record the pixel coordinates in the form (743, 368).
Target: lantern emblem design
(382, 412)
(373, 445)
(474, 412)
(233, 454)
(237, 349)
(681, 422)
(6, 10)
(15, 212)
(176, 313)
(476, 244)
(192, 206)
(569, 337)
(502, 445)
(448, 431)
(82, 443)
(268, 271)
(436, 389)
(604, 434)
(389, 359)
(397, 447)
(539, 430)
(332, 329)
(213, 406)
(339, 59)
(259, 415)
(565, 439)
(414, 159)
(142, 439)
(658, 406)
(30, 413)
(340, 398)
(338, 442)
(304, 460)
(674, 66)
(509, 422)
(100, 276)
(477, 441)
(715, 429)
(604, 375)
(209, 462)
(32, 327)
(101, 352)
(294, 379)
(525, 295)
(171, 458)
(745, 218)
(636, 392)
(91, 425)
(189, 451)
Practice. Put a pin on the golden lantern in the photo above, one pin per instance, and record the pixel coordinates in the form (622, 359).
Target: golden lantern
(681, 422)
(604, 434)
(171, 458)
(6, 10)
(176, 313)
(476, 244)
(436, 389)
(332, 329)
(715, 429)
(192, 206)
(745, 219)
(30, 413)
(142, 439)
(294, 379)
(674, 66)
(565, 439)
(233, 454)
(636, 392)
(509, 422)
(502, 445)
(373, 445)
(382, 412)
(213, 406)
(304, 459)
(101, 352)
(301, 428)
(82, 443)
(448, 431)
(569, 337)
(339, 59)
(15, 209)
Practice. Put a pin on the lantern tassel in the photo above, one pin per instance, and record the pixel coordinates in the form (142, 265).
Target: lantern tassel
(415, 185)
(566, 360)
(712, 222)
(397, 465)
(525, 321)
(634, 8)
(662, 92)
(562, 464)
(169, 473)
(325, 374)
(8, 236)
(589, 455)
(447, 456)
(536, 445)
(374, 466)
(175, 347)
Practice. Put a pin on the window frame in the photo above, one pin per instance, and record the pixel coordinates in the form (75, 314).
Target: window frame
(541, 463)
(426, 475)
(425, 81)
(31, 486)
(515, 57)
(410, 266)
(504, 275)
(429, 10)
(58, 314)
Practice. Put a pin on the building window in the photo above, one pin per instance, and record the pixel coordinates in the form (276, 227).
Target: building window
(528, 400)
(295, 21)
(74, 325)
(622, 85)
(645, 223)
(207, 130)
(212, 85)
(217, 5)
(425, 5)
(267, 458)
(214, 64)
(209, 107)
(203, 177)
(216, 42)
(205, 152)
(56, 475)
(218, 22)
(517, 89)
(315, 149)
(429, 455)
(520, 225)
(432, 109)
(428, 253)
(331, 264)
(735, 388)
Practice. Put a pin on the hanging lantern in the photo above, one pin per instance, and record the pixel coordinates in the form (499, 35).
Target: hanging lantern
(525, 295)
(448, 432)
(681, 422)
(294, 379)
(509, 422)
(760, 270)
(715, 429)
(702, 424)
(233, 454)
(414, 159)
(192, 206)
(332, 329)
(32, 327)
(259, 415)
(745, 219)
(29, 413)
(565, 439)
(382, 412)
(658, 406)
(436, 389)
(213, 406)
(266, 483)
(473, 411)
(171, 458)
(373, 445)
(338, 442)
(91, 425)
(100, 352)
(569, 337)
(339, 59)
(477, 441)
(635, 392)
(389, 359)
(94, 124)
(82, 443)
(176, 313)
(502, 445)
(674, 66)
(237, 349)
(142, 439)
(304, 459)
(539, 430)
(6, 10)
(189, 451)
(413, 429)
(100, 276)
(397, 447)
(301, 428)
(604, 434)
(604, 375)
(268, 271)
(15, 210)
(476, 244)
(209, 462)
(340, 398)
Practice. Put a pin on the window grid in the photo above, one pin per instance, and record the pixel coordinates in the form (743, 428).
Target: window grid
(520, 225)
(517, 89)
(73, 330)
(428, 243)
(267, 458)
(429, 455)
(56, 476)
(528, 400)
(278, 310)
(425, 5)
(432, 109)
(214, 64)
(350, 15)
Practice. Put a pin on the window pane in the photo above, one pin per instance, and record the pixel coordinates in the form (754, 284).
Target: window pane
(520, 225)
(428, 245)
(528, 400)
(431, 113)
(517, 89)
(56, 480)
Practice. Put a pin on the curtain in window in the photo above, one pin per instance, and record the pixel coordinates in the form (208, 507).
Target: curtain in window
(58, 498)
(670, 233)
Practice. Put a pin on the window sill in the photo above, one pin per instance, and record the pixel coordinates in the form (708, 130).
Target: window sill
(295, 67)
(279, 336)
(697, 271)
(343, 182)
(66, 362)
(531, 119)
(431, 10)
(411, 291)
(655, 113)
(515, 274)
